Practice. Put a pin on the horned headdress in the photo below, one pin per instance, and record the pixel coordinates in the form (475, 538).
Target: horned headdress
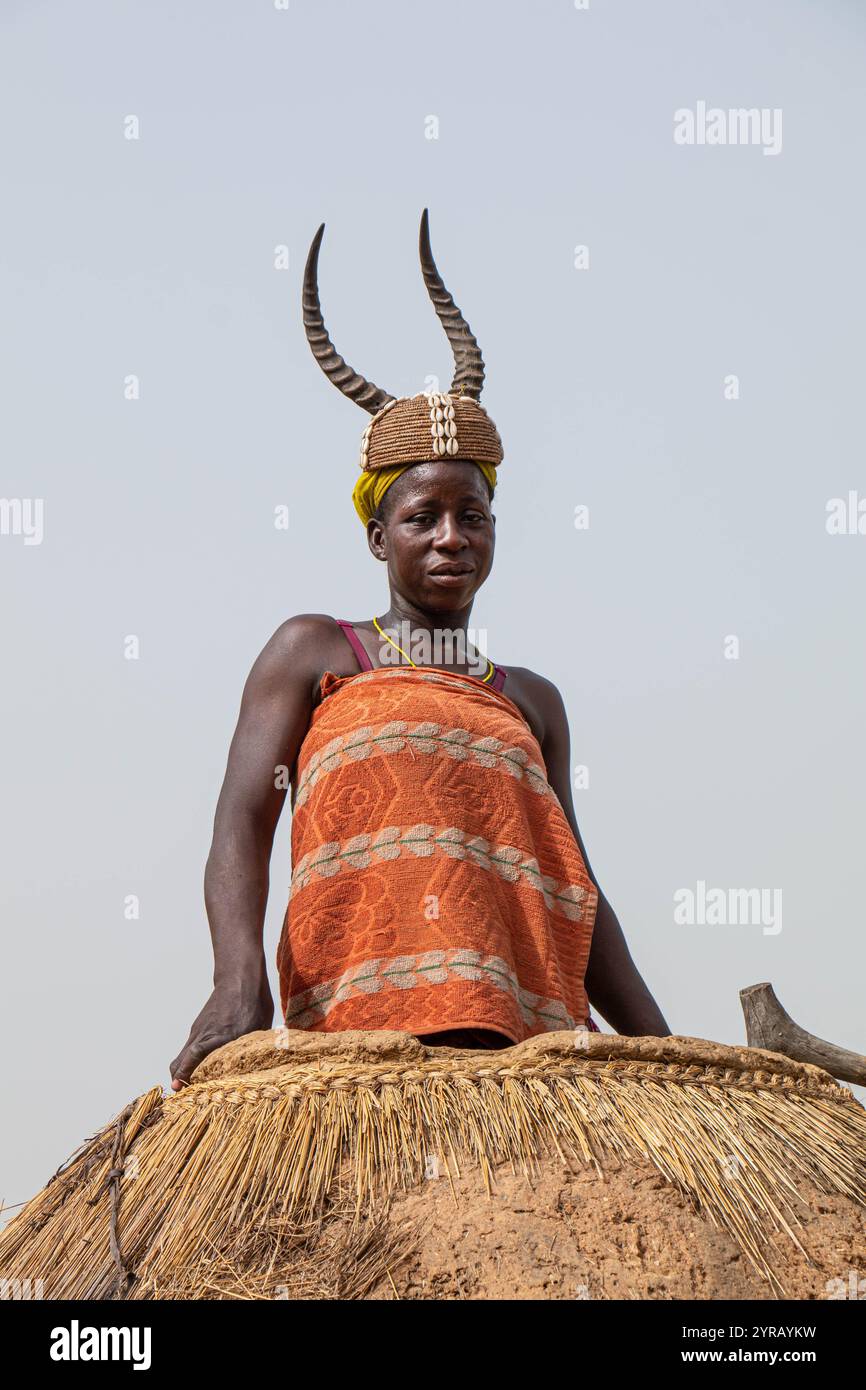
(410, 429)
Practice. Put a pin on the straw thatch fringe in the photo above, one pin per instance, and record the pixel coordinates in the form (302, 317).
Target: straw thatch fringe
(280, 1258)
(233, 1174)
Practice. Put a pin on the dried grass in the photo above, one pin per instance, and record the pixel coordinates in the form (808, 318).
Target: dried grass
(276, 1182)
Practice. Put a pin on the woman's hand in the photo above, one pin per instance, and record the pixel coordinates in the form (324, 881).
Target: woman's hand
(235, 1007)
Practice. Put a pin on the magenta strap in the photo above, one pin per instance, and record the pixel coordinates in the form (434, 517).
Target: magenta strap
(355, 643)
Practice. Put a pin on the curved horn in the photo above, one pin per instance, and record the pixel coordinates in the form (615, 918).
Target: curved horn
(468, 362)
(356, 387)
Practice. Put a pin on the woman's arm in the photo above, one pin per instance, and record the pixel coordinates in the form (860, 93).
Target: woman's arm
(614, 985)
(274, 717)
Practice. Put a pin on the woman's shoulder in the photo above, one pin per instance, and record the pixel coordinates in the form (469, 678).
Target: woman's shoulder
(305, 646)
(529, 681)
(304, 627)
(321, 644)
(300, 635)
(537, 698)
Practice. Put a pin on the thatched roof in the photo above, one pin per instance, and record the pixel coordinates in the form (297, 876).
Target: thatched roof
(277, 1165)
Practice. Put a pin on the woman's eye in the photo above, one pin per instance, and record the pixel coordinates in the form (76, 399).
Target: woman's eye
(427, 518)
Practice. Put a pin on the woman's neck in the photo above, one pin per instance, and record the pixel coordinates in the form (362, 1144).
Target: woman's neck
(432, 638)
(401, 610)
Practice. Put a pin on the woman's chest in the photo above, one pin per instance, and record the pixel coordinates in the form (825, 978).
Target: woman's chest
(400, 718)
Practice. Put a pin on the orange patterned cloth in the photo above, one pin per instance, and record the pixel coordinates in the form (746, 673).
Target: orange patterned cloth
(436, 882)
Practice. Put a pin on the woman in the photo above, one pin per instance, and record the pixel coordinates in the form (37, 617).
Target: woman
(439, 881)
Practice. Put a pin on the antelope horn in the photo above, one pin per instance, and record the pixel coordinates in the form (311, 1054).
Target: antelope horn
(468, 362)
(769, 1026)
(356, 387)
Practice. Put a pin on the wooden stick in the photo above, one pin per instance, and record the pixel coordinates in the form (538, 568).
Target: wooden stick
(769, 1026)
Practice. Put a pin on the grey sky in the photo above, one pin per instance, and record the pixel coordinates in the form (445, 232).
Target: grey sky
(155, 257)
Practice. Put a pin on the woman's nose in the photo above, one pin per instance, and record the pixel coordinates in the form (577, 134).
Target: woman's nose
(448, 533)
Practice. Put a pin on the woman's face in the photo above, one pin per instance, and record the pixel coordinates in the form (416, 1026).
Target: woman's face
(438, 534)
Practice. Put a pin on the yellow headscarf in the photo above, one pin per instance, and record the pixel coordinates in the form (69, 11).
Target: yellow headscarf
(373, 483)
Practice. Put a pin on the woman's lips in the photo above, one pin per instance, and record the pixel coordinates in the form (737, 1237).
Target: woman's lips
(451, 580)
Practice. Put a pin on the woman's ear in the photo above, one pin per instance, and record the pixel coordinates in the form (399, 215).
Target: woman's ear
(376, 539)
